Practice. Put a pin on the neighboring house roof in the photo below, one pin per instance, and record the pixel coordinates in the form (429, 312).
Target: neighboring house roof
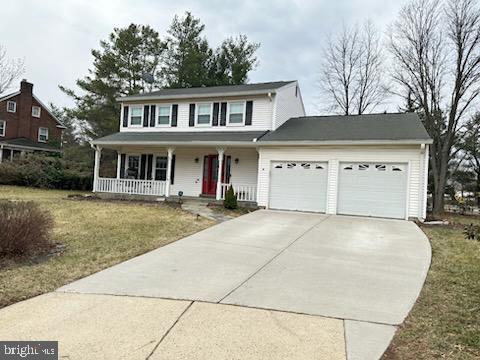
(226, 90)
(8, 96)
(375, 128)
(59, 123)
(179, 137)
(27, 144)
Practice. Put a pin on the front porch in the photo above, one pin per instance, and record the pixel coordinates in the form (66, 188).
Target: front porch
(186, 171)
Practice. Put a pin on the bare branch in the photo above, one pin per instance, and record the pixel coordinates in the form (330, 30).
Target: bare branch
(10, 70)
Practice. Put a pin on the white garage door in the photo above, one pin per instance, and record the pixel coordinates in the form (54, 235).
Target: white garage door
(372, 189)
(300, 185)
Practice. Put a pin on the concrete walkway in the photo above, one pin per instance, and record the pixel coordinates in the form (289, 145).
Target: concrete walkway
(269, 284)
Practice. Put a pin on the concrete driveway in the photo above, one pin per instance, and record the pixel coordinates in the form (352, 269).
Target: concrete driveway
(326, 286)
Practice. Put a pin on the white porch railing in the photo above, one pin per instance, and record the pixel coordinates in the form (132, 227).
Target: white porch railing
(131, 186)
(243, 192)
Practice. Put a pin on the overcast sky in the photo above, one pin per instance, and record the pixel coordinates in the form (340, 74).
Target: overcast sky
(55, 37)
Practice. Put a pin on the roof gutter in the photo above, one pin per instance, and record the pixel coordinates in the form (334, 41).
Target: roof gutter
(344, 142)
(190, 96)
(256, 143)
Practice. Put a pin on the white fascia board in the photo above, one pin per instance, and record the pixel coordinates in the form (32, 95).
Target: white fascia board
(177, 143)
(9, 96)
(343, 142)
(196, 96)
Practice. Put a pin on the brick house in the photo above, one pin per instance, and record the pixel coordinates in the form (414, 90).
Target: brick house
(27, 125)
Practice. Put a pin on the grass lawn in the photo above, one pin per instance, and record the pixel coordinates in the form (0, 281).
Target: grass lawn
(97, 234)
(445, 322)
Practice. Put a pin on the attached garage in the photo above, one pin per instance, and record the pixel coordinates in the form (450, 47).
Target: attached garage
(299, 185)
(371, 165)
(372, 189)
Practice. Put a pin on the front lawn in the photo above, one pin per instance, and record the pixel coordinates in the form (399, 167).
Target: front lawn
(445, 322)
(96, 234)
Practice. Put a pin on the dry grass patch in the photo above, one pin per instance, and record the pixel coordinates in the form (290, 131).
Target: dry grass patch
(445, 321)
(96, 235)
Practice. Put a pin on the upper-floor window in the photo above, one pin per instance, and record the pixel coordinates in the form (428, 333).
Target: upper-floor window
(42, 134)
(204, 114)
(164, 115)
(136, 115)
(36, 111)
(236, 112)
(3, 126)
(11, 106)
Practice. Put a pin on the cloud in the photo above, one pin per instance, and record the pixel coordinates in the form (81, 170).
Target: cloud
(56, 37)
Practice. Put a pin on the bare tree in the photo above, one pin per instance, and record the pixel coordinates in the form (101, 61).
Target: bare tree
(436, 50)
(10, 70)
(351, 74)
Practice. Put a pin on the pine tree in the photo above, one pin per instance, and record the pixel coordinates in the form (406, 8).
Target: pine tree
(119, 68)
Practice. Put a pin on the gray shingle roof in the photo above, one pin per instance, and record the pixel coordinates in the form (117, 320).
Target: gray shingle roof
(209, 90)
(179, 137)
(371, 127)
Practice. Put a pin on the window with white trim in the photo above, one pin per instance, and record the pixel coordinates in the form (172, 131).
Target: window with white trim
(3, 127)
(164, 115)
(42, 134)
(236, 112)
(36, 110)
(136, 115)
(204, 114)
(11, 106)
(161, 163)
(133, 166)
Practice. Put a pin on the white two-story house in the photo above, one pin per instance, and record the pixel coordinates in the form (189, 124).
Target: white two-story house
(256, 137)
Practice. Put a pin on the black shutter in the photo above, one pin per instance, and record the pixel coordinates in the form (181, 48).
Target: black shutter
(125, 116)
(149, 166)
(146, 111)
(215, 114)
(122, 166)
(223, 114)
(143, 164)
(152, 115)
(172, 172)
(191, 119)
(248, 113)
(174, 114)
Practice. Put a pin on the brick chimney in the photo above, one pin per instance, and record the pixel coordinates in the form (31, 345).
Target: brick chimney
(25, 109)
(26, 87)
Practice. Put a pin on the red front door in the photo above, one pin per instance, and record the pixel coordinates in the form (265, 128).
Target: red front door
(210, 172)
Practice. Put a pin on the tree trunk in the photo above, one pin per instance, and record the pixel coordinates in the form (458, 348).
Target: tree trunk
(439, 171)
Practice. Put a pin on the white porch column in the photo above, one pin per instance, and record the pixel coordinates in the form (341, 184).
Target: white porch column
(169, 171)
(1, 154)
(96, 169)
(119, 160)
(220, 152)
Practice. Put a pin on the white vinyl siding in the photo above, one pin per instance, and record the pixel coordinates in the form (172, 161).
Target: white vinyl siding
(261, 116)
(410, 155)
(287, 105)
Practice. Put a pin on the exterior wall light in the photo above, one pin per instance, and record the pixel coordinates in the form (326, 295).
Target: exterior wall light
(237, 161)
